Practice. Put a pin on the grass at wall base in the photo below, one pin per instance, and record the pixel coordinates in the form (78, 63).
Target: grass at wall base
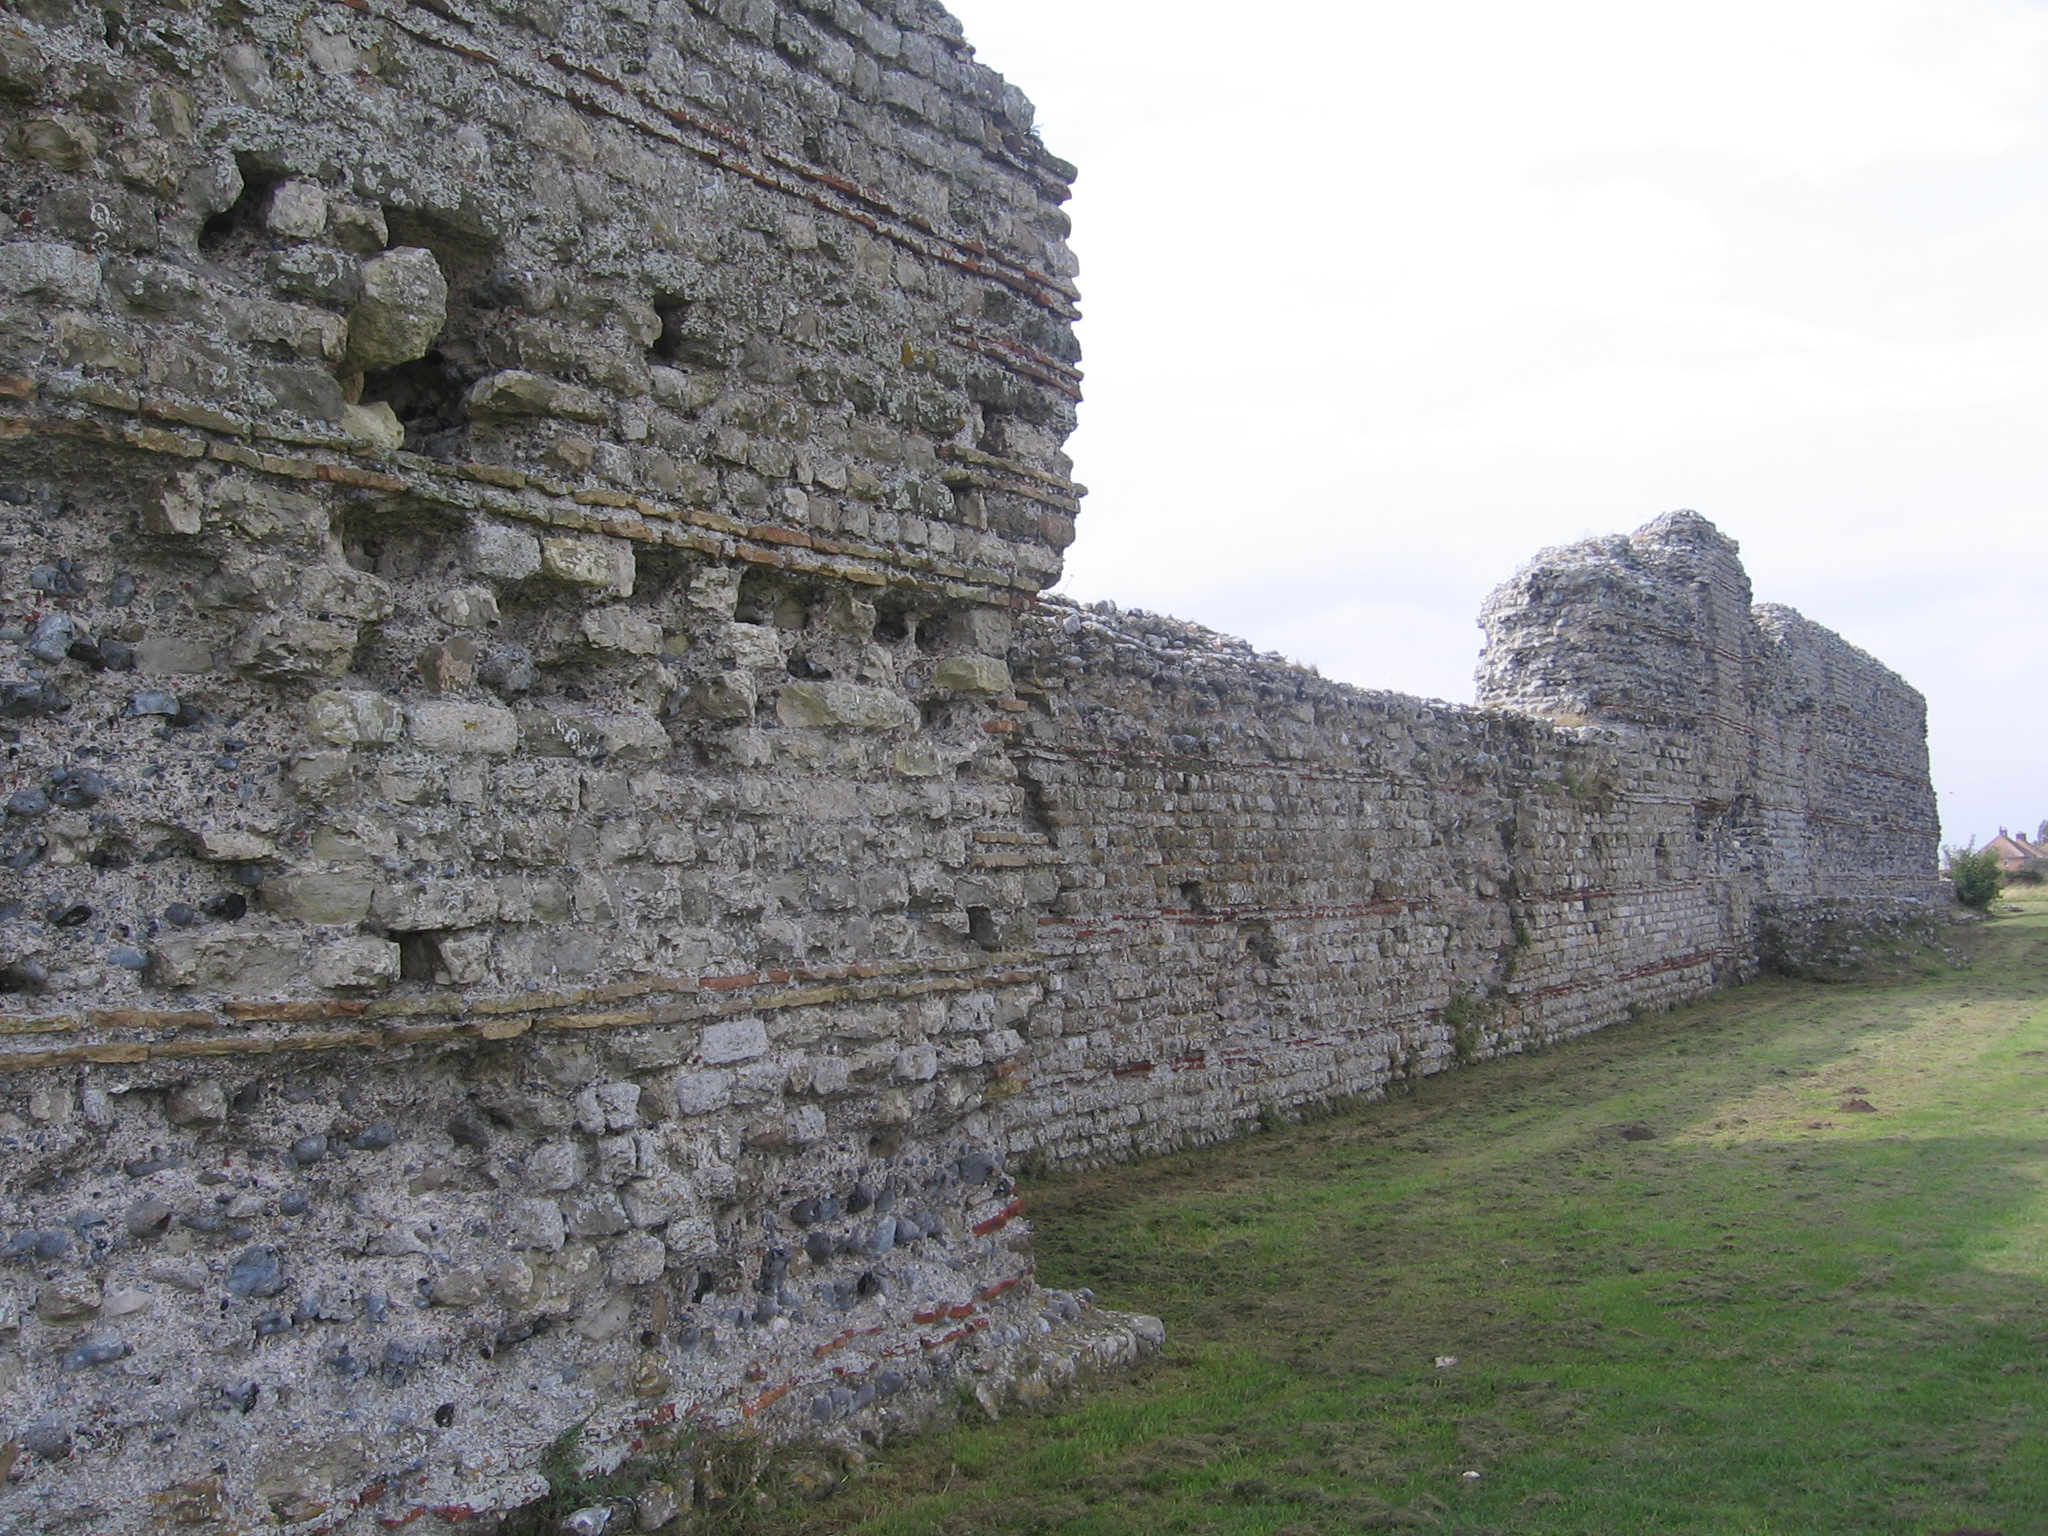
(1778, 1312)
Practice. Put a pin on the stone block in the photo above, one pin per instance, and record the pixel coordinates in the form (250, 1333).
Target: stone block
(173, 655)
(223, 962)
(626, 737)
(972, 673)
(721, 696)
(354, 717)
(597, 563)
(555, 1165)
(462, 959)
(356, 963)
(691, 1237)
(621, 629)
(197, 1104)
(318, 898)
(462, 727)
(732, 1040)
(534, 1224)
(700, 1093)
(594, 1213)
(753, 645)
(418, 906)
(604, 1107)
(467, 607)
(49, 270)
(233, 845)
(637, 1259)
(343, 592)
(403, 306)
(286, 648)
(513, 392)
(177, 505)
(450, 666)
(505, 554)
(917, 1064)
(654, 1202)
(297, 210)
(805, 1124)
(842, 704)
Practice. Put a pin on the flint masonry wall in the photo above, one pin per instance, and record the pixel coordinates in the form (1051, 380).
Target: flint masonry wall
(511, 518)
(1279, 890)
(552, 863)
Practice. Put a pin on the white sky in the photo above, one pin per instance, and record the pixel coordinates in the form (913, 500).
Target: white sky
(1382, 297)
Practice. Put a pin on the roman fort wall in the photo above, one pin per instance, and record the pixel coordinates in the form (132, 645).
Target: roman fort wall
(556, 865)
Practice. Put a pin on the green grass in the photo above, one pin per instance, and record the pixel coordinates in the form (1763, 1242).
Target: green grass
(1773, 1316)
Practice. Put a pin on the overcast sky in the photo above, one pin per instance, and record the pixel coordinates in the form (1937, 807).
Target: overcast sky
(1383, 297)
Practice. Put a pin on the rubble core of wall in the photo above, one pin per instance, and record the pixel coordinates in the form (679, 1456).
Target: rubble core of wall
(552, 862)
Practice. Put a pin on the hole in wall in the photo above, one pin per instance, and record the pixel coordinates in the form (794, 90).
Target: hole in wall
(417, 958)
(1192, 898)
(758, 594)
(671, 346)
(426, 393)
(981, 928)
(692, 335)
(1034, 812)
(426, 397)
(242, 219)
(397, 538)
(765, 600)
(892, 623)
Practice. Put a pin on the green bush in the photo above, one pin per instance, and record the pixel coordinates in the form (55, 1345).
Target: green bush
(1977, 877)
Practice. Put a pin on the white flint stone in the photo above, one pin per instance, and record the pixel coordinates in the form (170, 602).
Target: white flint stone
(535, 1224)
(918, 1063)
(699, 1093)
(732, 1040)
(403, 307)
(555, 1165)
(297, 211)
(506, 554)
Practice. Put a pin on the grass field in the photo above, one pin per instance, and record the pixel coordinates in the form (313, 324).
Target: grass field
(1772, 1314)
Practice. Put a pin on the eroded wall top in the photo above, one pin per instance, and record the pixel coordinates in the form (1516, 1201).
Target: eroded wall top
(794, 273)
(1812, 755)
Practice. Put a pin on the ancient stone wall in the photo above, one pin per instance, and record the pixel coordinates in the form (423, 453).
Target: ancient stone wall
(1278, 890)
(553, 863)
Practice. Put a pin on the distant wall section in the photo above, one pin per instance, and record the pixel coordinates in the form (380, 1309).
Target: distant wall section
(1279, 890)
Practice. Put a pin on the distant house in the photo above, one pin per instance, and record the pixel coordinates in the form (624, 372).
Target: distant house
(2027, 858)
